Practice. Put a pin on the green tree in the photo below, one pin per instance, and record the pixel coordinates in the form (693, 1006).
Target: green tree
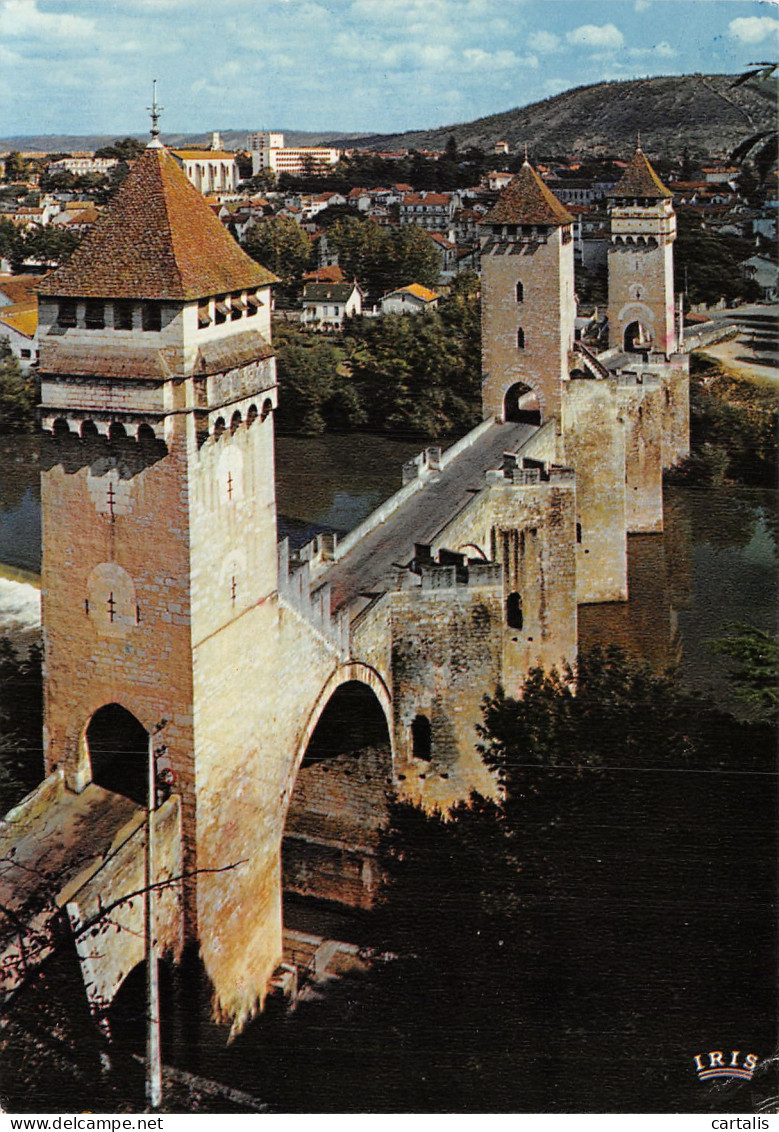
(279, 244)
(707, 267)
(382, 259)
(18, 394)
(125, 149)
(15, 166)
(21, 723)
(48, 246)
(755, 656)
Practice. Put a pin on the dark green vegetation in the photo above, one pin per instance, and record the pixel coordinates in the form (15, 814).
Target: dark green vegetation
(570, 947)
(21, 723)
(47, 246)
(754, 657)
(705, 113)
(707, 265)
(733, 428)
(18, 393)
(416, 373)
(379, 259)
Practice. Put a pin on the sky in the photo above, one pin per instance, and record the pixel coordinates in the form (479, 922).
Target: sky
(86, 66)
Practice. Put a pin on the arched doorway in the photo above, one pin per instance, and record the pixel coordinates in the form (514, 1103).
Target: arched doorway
(118, 747)
(521, 404)
(637, 339)
(339, 802)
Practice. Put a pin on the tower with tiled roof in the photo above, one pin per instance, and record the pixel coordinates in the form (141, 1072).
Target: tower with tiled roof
(158, 390)
(642, 231)
(527, 299)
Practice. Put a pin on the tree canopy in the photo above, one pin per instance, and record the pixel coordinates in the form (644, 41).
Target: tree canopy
(381, 259)
(417, 373)
(18, 393)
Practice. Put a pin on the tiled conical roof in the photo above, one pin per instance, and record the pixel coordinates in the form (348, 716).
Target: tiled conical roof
(158, 239)
(527, 200)
(640, 180)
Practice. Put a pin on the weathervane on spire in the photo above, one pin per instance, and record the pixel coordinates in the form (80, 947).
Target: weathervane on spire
(154, 111)
(638, 140)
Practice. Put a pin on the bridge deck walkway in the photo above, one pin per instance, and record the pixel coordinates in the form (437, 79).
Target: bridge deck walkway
(422, 517)
(47, 841)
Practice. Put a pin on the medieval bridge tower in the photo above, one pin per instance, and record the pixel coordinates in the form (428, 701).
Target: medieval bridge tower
(159, 524)
(640, 261)
(528, 304)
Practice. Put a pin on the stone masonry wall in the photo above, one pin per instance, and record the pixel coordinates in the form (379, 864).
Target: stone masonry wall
(594, 439)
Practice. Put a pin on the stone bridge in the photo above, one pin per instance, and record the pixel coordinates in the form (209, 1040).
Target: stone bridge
(288, 692)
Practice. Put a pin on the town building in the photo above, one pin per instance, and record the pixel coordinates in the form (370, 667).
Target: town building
(413, 299)
(82, 166)
(212, 172)
(326, 305)
(268, 152)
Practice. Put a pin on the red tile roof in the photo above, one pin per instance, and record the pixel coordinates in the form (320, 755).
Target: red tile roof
(640, 180)
(527, 200)
(158, 239)
(19, 288)
(331, 273)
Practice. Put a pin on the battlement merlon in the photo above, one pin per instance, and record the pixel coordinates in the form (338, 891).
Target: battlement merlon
(450, 570)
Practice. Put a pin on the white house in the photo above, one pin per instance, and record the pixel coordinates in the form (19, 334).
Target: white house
(409, 300)
(764, 272)
(327, 304)
(19, 325)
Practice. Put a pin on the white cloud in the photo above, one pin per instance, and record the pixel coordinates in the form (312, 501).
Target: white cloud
(661, 50)
(642, 5)
(496, 60)
(750, 30)
(603, 37)
(544, 42)
(21, 18)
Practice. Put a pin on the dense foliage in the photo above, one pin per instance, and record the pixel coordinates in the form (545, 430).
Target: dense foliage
(381, 259)
(733, 428)
(707, 265)
(18, 393)
(280, 245)
(21, 722)
(47, 246)
(415, 373)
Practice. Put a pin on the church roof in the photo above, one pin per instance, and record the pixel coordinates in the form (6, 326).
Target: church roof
(640, 180)
(527, 200)
(157, 239)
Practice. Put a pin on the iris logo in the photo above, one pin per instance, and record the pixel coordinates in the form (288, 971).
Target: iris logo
(719, 1066)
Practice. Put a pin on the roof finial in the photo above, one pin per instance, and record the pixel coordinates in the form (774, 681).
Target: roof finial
(638, 141)
(154, 111)
(526, 160)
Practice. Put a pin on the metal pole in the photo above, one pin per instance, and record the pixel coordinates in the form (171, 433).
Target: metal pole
(153, 1052)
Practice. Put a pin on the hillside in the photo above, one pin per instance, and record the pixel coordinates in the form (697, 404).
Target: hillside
(701, 112)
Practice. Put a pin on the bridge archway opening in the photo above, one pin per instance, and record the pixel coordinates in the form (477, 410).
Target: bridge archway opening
(338, 805)
(637, 338)
(118, 745)
(521, 404)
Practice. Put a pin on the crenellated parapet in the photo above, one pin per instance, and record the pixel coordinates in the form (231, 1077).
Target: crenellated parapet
(312, 604)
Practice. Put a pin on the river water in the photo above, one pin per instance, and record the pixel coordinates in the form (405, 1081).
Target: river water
(714, 565)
